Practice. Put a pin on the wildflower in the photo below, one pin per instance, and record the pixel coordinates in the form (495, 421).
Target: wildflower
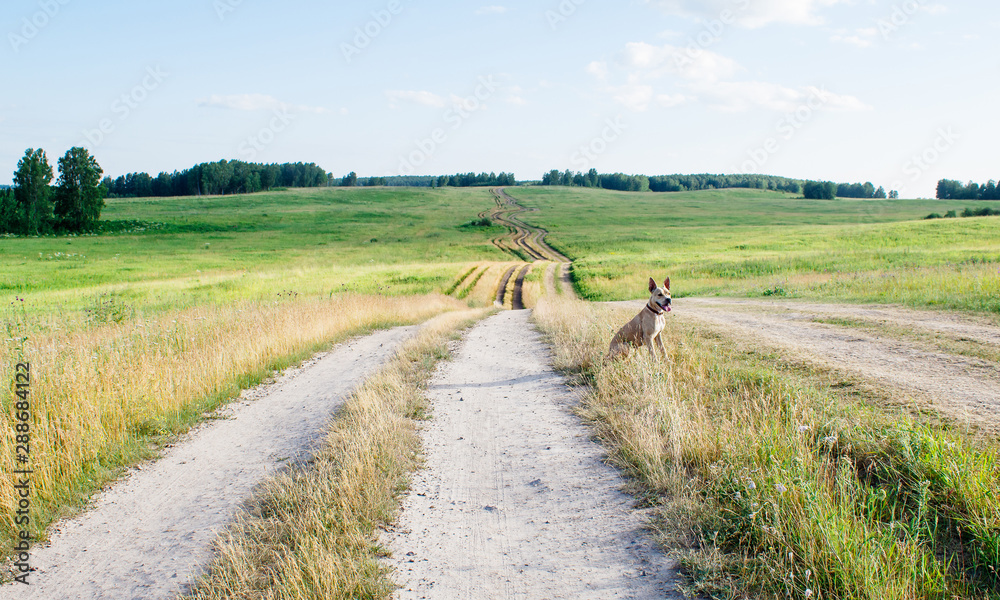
(739, 496)
(808, 593)
(804, 428)
(808, 574)
(751, 485)
(830, 440)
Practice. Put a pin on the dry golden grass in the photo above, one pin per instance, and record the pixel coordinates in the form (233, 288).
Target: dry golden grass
(772, 482)
(101, 395)
(312, 533)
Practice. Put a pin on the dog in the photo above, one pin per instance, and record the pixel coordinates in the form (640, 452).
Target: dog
(646, 326)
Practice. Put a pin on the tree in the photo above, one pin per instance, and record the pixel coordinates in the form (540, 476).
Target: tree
(350, 180)
(819, 190)
(9, 223)
(33, 194)
(79, 198)
(879, 193)
(894, 195)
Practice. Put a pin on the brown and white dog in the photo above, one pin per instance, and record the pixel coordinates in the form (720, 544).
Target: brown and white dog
(645, 326)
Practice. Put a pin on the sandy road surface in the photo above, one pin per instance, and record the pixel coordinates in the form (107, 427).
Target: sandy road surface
(965, 388)
(515, 501)
(148, 534)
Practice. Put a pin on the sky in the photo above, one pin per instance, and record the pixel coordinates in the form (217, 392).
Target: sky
(901, 93)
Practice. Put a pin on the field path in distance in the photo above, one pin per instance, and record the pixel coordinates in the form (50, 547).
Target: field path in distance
(150, 533)
(515, 501)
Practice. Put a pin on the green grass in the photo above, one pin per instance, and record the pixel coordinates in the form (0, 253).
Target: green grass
(198, 250)
(772, 478)
(754, 243)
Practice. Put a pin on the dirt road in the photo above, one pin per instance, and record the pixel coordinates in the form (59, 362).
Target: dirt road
(896, 347)
(515, 501)
(149, 533)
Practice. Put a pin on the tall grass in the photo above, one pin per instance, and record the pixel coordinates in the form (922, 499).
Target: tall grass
(312, 533)
(776, 481)
(102, 393)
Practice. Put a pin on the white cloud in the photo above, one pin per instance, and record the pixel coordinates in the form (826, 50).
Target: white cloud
(862, 38)
(671, 100)
(633, 97)
(656, 61)
(598, 69)
(492, 10)
(644, 76)
(417, 97)
(751, 13)
(253, 102)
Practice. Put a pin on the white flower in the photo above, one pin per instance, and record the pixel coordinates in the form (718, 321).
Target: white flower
(751, 485)
(808, 574)
(804, 428)
(830, 440)
(781, 489)
(809, 593)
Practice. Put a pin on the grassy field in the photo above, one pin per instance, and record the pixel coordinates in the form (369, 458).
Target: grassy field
(753, 243)
(183, 252)
(775, 479)
(133, 337)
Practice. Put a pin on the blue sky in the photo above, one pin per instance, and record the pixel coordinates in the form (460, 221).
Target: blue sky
(901, 93)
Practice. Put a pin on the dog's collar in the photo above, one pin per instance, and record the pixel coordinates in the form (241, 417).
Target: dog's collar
(653, 310)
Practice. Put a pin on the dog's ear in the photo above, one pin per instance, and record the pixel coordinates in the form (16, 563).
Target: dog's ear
(652, 284)
(666, 284)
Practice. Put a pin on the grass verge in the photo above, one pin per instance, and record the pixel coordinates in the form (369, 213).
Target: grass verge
(103, 397)
(774, 481)
(312, 532)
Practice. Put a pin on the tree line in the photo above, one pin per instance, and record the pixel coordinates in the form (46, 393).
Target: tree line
(707, 181)
(34, 207)
(828, 190)
(473, 180)
(217, 178)
(949, 189)
(459, 180)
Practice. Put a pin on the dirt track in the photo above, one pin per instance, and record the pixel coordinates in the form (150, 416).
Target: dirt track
(150, 532)
(515, 501)
(965, 388)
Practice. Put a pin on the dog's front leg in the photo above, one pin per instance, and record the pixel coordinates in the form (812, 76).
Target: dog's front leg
(649, 346)
(659, 344)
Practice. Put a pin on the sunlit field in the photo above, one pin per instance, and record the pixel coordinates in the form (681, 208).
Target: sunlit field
(770, 244)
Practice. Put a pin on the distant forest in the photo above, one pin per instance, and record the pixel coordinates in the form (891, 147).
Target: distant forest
(458, 180)
(949, 189)
(707, 181)
(223, 177)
